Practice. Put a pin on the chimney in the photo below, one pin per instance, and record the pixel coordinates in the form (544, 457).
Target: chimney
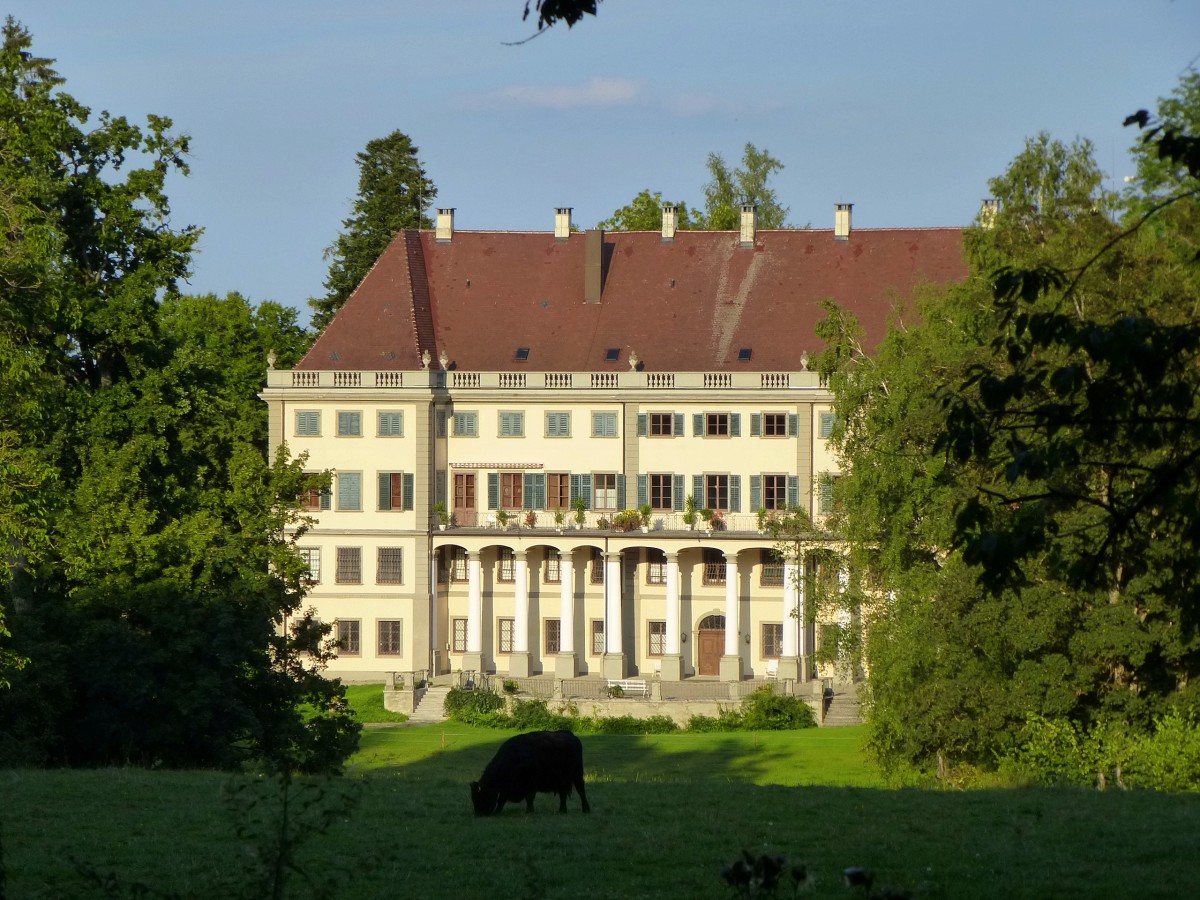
(562, 223)
(987, 213)
(445, 225)
(670, 223)
(841, 221)
(593, 272)
(749, 216)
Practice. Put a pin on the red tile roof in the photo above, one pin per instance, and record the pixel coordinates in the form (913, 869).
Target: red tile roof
(688, 305)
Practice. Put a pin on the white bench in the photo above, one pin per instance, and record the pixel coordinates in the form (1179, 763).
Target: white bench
(630, 686)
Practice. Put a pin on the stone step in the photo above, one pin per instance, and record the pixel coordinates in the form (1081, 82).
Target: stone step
(431, 706)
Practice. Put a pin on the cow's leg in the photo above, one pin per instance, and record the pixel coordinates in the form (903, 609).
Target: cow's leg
(562, 799)
(529, 801)
(582, 794)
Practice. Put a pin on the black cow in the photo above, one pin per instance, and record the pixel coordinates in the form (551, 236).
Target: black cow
(549, 762)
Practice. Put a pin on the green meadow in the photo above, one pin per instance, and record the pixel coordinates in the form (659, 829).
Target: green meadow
(668, 811)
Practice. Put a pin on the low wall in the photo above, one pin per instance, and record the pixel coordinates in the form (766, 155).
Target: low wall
(402, 701)
(678, 710)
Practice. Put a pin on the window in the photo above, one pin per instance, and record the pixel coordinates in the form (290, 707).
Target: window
(349, 490)
(349, 632)
(656, 567)
(466, 424)
(316, 499)
(597, 566)
(612, 354)
(604, 491)
(464, 491)
(511, 490)
(558, 424)
(772, 640)
(391, 635)
(552, 629)
(656, 639)
(597, 632)
(458, 631)
(716, 424)
(506, 565)
(391, 424)
(389, 568)
(308, 422)
(522, 354)
(775, 424)
(504, 635)
(349, 424)
(553, 567)
(774, 491)
(558, 491)
(441, 423)
(772, 569)
(604, 424)
(349, 565)
(512, 424)
(825, 493)
(458, 564)
(662, 493)
(395, 490)
(662, 424)
(312, 561)
(714, 566)
(745, 353)
(826, 426)
(716, 491)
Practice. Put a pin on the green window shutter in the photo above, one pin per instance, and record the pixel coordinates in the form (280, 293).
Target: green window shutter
(735, 493)
(826, 428)
(440, 488)
(677, 496)
(349, 423)
(391, 424)
(350, 490)
(385, 490)
(793, 425)
(326, 498)
(697, 424)
(308, 423)
(620, 491)
(585, 487)
(527, 491)
(539, 489)
(735, 424)
(678, 423)
(698, 490)
(825, 494)
(643, 490)
(493, 490)
(407, 490)
(755, 493)
(793, 490)
(643, 422)
(441, 423)
(756, 425)
(576, 488)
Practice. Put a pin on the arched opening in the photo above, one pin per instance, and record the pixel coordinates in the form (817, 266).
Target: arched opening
(710, 645)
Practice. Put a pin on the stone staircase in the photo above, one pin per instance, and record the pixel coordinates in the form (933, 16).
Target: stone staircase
(430, 708)
(842, 707)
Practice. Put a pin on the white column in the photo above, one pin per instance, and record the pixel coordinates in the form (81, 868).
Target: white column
(566, 627)
(731, 605)
(672, 645)
(521, 616)
(612, 603)
(791, 609)
(474, 604)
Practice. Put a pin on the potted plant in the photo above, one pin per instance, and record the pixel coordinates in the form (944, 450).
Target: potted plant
(580, 507)
(707, 515)
(602, 522)
(530, 518)
(558, 518)
(443, 517)
(762, 519)
(644, 511)
(718, 520)
(502, 517)
(689, 512)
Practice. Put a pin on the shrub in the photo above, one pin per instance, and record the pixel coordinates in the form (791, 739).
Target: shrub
(727, 719)
(764, 710)
(532, 715)
(1169, 759)
(471, 707)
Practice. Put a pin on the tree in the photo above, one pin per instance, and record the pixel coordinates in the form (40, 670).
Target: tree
(393, 193)
(644, 213)
(728, 189)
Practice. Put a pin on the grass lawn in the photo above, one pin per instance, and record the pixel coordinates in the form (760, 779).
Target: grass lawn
(668, 811)
(367, 702)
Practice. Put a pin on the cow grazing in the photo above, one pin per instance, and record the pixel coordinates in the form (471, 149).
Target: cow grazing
(549, 762)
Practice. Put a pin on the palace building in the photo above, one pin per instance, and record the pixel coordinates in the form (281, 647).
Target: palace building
(518, 424)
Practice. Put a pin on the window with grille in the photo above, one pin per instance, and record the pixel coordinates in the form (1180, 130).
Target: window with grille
(772, 640)
(506, 565)
(597, 567)
(558, 424)
(772, 569)
(558, 491)
(774, 492)
(553, 567)
(311, 557)
(604, 424)
(512, 424)
(349, 424)
(391, 634)
(466, 424)
(716, 491)
(349, 565)
(662, 492)
(656, 639)
(391, 424)
(504, 635)
(390, 566)
(552, 629)
(604, 487)
(349, 491)
(348, 635)
(458, 564)
(714, 566)
(656, 567)
(597, 632)
(458, 631)
(308, 422)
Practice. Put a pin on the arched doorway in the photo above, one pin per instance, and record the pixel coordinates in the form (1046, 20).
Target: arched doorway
(710, 645)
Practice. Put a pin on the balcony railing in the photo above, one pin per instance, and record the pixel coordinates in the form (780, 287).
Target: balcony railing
(593, 521)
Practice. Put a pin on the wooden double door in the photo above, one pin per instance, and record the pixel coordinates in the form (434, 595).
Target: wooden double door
(710, 645)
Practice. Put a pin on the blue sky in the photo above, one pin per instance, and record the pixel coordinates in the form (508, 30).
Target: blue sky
(903, 108)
